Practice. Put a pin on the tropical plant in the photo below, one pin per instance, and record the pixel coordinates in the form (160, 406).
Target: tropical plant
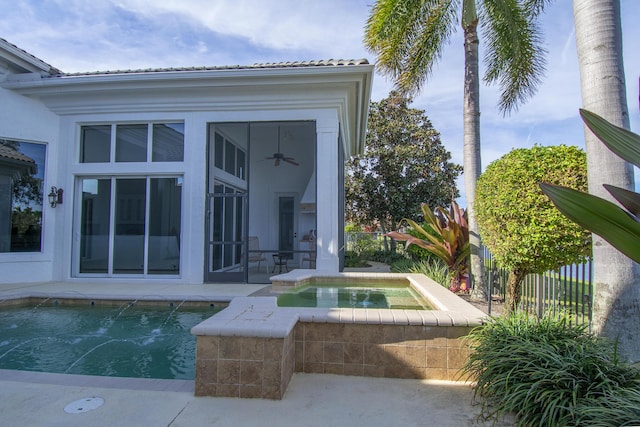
(619, 227)
(550, 371)
(403, 162)
(449, 239)
(415, 252)
(523, 230)
(602, 81)
(409, 37)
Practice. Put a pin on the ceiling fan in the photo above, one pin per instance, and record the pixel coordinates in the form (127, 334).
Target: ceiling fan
(278, 156)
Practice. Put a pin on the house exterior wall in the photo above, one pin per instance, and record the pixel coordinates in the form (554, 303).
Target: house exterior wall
(28, 120)
(53, 110)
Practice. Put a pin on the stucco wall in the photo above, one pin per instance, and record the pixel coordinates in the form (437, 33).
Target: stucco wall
(25, 119)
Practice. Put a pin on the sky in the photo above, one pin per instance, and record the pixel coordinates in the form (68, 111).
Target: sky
(99, 35)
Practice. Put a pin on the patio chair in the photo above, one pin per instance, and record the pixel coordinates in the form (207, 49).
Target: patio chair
(254, 253)
(310, 257)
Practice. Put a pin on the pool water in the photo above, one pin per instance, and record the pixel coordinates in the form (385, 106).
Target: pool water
(120, 341)
(361, 296)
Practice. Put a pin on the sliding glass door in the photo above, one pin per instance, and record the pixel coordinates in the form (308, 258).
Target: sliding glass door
(129, 226)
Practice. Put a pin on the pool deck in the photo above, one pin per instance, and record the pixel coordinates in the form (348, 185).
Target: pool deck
(39, 399)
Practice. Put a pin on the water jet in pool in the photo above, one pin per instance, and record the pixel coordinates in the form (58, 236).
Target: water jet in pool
(124, 340)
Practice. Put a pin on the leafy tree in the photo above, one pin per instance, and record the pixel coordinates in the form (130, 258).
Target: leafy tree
(519, 224)
(616, 278)
(409, 36)
(403, 164)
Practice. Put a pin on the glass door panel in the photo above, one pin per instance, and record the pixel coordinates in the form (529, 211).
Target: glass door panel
(164, 225)
(286, 225)
(95, 225)
(128, 247)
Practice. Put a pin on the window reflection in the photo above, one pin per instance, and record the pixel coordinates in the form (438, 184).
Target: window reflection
(131, 142)
(168, 142)
(21, 184)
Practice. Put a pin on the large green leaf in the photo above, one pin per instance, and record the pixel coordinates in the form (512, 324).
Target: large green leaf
(629, 199)
(598, 216)
(624, 143)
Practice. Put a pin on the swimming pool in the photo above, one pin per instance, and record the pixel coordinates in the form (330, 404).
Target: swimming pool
(120, 340)
(364, 295)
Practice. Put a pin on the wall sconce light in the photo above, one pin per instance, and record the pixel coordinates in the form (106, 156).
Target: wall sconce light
(55, 197)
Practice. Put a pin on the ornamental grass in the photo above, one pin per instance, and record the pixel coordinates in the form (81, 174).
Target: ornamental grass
(550, 372)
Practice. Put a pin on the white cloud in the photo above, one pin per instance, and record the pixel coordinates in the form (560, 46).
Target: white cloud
(329, 27)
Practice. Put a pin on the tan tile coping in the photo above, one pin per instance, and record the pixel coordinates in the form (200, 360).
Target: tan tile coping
(261, 317)
(450, 310)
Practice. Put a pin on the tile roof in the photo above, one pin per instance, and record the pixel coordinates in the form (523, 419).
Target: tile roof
(10, 153)
(16, 161)
(291, 64)
(52, 70)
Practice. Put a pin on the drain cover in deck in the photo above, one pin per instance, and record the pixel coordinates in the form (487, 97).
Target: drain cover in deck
(84, 405)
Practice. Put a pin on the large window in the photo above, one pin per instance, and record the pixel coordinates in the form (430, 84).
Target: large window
(130, 225)
(229, 156)
(144, 142)
(21, 195)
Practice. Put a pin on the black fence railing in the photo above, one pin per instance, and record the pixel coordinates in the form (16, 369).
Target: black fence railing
(568, 289)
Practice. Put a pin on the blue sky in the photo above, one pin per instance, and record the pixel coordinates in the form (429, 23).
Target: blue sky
(83, 35)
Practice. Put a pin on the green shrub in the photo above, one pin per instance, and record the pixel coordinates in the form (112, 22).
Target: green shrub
(519, 225)
(433, 268)
(386, 257)
(354, 260)
(365, 245)
(550, 372)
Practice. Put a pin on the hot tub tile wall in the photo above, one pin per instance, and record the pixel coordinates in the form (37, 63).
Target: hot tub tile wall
(250, 367)
(395, 351)
(252, 348)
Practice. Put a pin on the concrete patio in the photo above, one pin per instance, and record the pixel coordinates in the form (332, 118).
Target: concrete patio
(311, 400)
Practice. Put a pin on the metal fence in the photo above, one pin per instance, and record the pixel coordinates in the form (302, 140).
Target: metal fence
(362, 241)
(567, 289)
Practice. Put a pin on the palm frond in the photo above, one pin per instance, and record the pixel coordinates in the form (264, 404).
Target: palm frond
(536, 7)
(514, 58)
(408, 37)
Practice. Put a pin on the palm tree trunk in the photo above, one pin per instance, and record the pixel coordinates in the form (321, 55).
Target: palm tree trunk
(616, 292)
(471, 161)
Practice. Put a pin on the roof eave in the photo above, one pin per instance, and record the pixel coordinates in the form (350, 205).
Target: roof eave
(24, 61)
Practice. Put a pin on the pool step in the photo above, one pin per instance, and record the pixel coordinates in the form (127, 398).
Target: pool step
(401, 302)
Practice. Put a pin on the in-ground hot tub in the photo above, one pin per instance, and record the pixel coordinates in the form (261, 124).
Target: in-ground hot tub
(345, 294)
(252, 348)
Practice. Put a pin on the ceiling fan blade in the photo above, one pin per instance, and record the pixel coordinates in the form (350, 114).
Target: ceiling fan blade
(291, 160)
(277, 163)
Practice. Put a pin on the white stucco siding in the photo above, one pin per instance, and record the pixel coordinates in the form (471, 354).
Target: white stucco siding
(28, 120)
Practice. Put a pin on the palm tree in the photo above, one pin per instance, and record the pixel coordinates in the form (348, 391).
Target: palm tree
(409, 35)
(616, 292)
